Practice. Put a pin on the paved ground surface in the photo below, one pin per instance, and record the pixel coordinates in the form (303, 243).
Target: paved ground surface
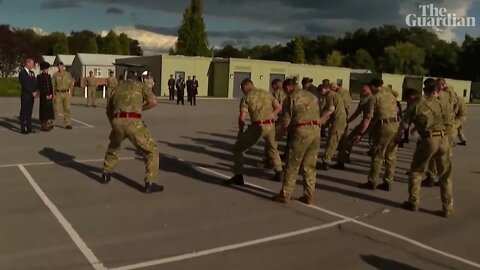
(55, 215)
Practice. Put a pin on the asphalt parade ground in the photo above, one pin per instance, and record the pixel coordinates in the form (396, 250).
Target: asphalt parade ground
(54, 214)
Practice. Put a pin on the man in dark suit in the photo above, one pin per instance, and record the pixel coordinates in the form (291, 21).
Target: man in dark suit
(29, 92)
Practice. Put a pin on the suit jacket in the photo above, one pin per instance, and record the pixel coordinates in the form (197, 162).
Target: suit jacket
(28, 83)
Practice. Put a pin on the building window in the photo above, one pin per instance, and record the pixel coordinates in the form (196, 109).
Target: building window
(339, 82)
(465, 93)
(97, 72)
(390, 86)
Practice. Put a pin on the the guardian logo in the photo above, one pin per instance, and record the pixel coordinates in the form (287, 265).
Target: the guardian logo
(435, 17)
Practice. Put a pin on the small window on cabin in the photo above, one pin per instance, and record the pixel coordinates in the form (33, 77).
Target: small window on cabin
(390, 86)
(97, 72)
(465, 93)
(339, 82)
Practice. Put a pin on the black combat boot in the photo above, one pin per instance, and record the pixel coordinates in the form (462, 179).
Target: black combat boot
(278, 177)
(339, 166)
(152, 188)
(410, 206)
(236, 180)
(385, 186)
(106, 178)
(462, 143)
(324, 166)
(428, 182)
(368, 185)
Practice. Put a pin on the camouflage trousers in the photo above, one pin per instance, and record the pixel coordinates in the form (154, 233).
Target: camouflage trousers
(439, 150)
(109, 92)
(346, 145)
(336, 131)
(279, 134)
(91, 96)
(303, 154)
(137, 133)
(461, 134)
(62, 101)
(384, 149)
(249, 138)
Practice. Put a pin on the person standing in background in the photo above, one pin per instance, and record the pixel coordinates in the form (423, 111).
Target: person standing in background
(193, 100)
(189, 89)
(181, 90)
(91, 83)
(29, 92)
(62, 82)
(148, 80)
(111, 84)
(171, 88)
(46, 112)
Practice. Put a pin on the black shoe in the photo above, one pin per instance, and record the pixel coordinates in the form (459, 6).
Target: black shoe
(339, 166)
(153, 188)
(283, 157)
(368, 185)
(68, 127)
(401, 145)
(24, 132)
(236, 180)
(385, 186)
(407, 141)
(106, 178)
(94, 106)
(278, 177)
(428, 182)
(462, 143)
(410, 206)
(324, 166)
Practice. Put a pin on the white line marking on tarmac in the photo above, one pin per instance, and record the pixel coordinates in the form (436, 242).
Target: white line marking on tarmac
(61, 162)
(395, 235)
(78, 121)
(82, 246)
(196, 254)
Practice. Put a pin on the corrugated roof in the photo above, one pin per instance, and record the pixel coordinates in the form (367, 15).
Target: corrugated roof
(87, 59)
(49, 59)
(66, 59)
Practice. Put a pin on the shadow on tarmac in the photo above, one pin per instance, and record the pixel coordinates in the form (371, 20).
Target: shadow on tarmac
(13, 124)
(385, 264)
(93, 173)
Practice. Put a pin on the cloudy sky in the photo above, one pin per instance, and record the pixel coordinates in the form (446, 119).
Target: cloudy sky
(239, 22)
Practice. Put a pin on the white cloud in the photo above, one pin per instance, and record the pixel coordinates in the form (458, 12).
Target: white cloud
(151, 43)
(39, 31)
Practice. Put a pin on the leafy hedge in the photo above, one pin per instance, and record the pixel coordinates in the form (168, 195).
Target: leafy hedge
(9, 87)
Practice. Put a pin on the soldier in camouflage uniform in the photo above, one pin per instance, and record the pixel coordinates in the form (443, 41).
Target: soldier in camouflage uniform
(262, 108)
(336, 116)
(345, 94)
(450, 99)
(62, 82)
(433, 121)
(382, 112)
(91, 83)
(345, 147)
(111, 84)
(301, 117)
(279, 96)
(124, 110)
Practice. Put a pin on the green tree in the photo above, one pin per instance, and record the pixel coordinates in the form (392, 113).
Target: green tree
(362, 59)
(81, 42)
(111, 44)
(91, 46)
(135, 48)
(192, 36)
(469, 58)
(334, 59)
(298, 51)
(404, 58)
(61, 43)
(124, 43)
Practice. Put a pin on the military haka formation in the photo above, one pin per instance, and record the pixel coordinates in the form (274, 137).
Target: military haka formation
(300, 114)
